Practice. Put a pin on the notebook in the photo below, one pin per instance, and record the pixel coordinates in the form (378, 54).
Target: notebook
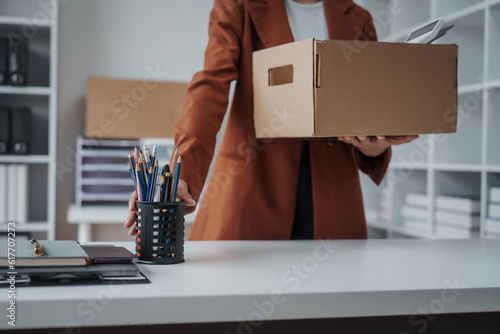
(20, 253)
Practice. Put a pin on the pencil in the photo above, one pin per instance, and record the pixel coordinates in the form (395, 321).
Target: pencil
(144, 170)
(174, 160)
(131, 174)
(150, 183)
(132, 163)
(176, 179)
(137, 184)
(141, 192)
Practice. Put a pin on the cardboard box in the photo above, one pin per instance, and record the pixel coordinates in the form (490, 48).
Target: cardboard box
(332, 88)
(130, 109)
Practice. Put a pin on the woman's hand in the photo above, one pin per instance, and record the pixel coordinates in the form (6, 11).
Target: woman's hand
(373, 146)
(182, 194)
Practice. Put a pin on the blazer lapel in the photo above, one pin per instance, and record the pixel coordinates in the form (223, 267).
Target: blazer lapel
(339, 24)
(271, 22)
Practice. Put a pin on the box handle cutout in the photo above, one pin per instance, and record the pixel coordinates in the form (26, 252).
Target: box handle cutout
(280, 75)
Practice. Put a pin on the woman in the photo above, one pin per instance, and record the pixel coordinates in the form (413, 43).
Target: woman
(289, 188)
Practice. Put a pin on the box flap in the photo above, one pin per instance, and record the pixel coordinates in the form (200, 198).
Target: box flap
(280, 73)
(370, 88)
(131, 109)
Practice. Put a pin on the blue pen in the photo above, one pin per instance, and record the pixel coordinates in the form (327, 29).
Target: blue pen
(176, 179)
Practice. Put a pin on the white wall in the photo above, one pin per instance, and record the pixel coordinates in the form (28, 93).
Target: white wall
(120, 39)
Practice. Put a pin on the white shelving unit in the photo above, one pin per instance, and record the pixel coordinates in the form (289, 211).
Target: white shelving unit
(465, 163)
(37, 22)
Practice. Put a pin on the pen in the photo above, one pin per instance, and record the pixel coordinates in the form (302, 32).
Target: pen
(168, 186)
(153, 156)
(153, 185)
(38, 249)
(176, 179)
(163, 187)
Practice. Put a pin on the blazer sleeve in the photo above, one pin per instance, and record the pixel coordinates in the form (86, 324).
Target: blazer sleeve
(375, 168)
(206, 99)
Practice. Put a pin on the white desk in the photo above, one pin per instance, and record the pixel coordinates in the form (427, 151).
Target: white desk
(224, 281)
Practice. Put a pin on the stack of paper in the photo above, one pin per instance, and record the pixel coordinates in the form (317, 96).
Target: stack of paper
(457, 217)
(492, 227)
(384, 210)
(414, 211)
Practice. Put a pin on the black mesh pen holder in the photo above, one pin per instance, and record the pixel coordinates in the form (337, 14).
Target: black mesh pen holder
(160, 232)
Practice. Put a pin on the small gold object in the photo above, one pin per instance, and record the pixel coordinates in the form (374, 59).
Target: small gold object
(38, 249)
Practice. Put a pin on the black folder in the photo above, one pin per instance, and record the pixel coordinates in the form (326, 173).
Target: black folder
(21, 130)
(17, 61)
(4, 130)
(3, 61)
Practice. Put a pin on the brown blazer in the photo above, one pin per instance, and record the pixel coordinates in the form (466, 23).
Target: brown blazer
(252, 190)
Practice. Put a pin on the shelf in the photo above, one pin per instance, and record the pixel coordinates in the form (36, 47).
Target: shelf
(108, 181)
(105, 153)
(24, 159)
(462, 163)
(23, 21)
(105, 168)
(468, 89)
(493, 168)
(408, 231)
(378, 226)
(26, 90)
(458, 167)
(494, 84)
(36, 226)
(408, 166)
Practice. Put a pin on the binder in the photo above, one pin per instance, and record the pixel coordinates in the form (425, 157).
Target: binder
(21, 130)
(4, 130)
(17, 61)
(3, 61)
(3, 194)
(11, 211)
(21, 197)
